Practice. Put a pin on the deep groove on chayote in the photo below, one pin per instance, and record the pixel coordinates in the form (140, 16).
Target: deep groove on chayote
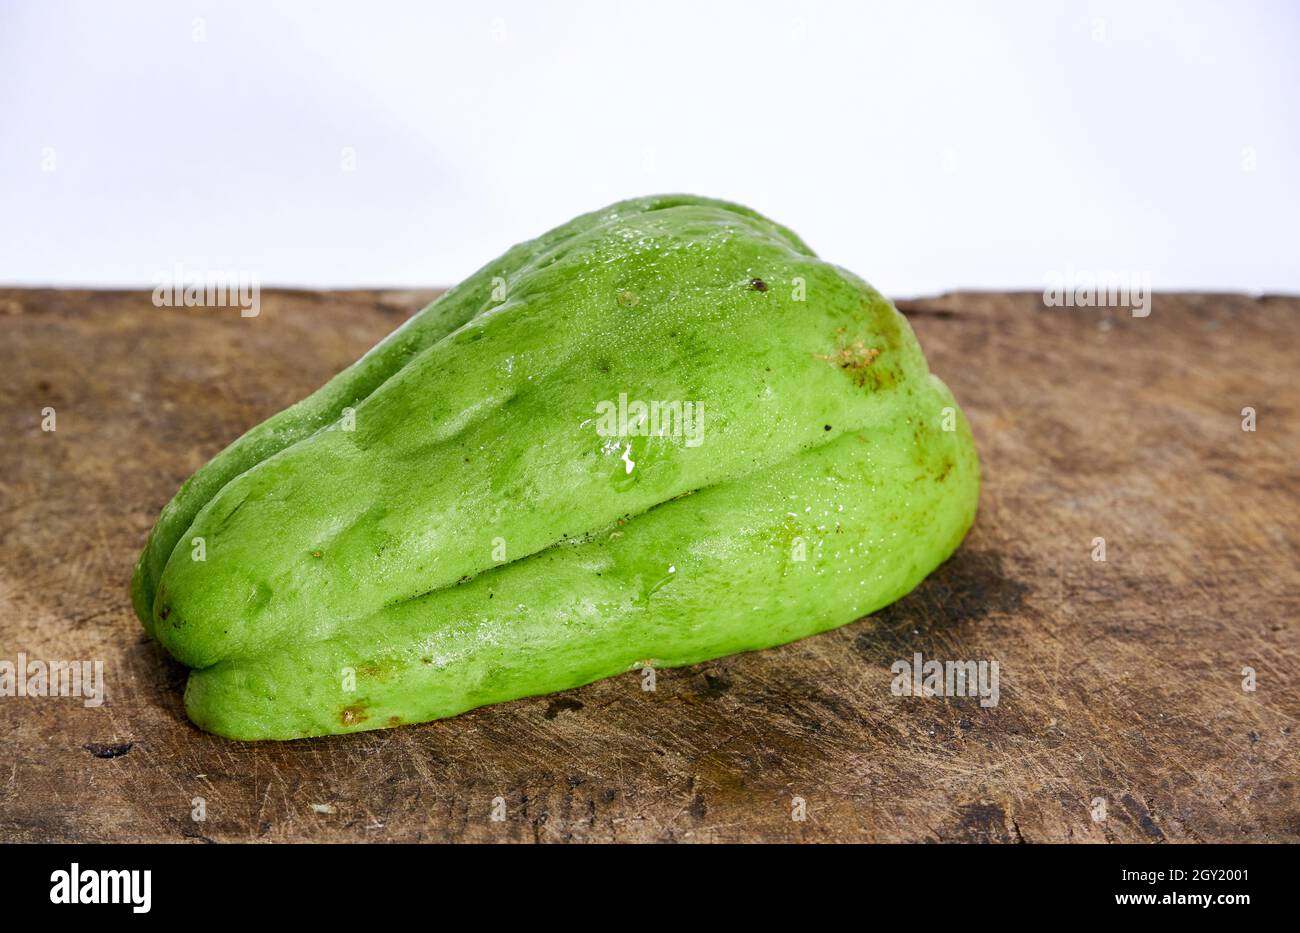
(449, 523)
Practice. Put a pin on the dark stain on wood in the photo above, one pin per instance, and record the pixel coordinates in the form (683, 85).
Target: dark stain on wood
(100, 750)
(562, 704)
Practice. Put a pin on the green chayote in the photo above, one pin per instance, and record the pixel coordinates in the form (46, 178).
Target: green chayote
(660, 433)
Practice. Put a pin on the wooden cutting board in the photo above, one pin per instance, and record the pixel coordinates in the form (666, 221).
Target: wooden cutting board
(1121, 682)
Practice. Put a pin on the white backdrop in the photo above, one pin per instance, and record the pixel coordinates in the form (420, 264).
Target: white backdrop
(926, 146)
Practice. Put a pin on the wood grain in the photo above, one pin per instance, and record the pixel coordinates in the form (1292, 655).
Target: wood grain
(1120, 679)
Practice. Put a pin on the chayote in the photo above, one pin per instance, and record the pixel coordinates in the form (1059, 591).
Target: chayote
(660, 433)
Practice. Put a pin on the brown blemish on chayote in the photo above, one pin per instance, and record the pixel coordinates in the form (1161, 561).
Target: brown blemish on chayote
(380, 670)
(352, 715)
(853, 358)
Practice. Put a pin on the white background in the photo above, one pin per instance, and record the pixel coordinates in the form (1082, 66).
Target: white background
(926, 146)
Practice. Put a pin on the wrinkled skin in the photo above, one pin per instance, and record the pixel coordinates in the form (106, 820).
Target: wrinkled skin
(443, 525)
